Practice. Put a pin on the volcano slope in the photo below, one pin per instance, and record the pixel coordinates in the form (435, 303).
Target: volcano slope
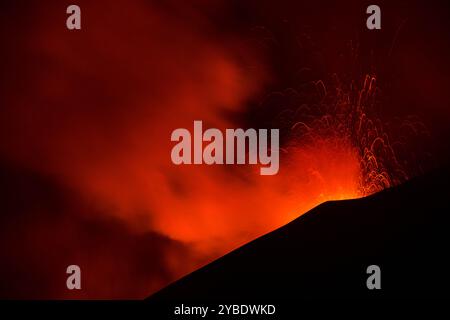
(325, 252)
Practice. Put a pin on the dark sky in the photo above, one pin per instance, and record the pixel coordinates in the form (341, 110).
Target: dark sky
(86, 116)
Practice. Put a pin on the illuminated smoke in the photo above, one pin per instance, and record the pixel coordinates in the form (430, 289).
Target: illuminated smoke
(93, 112)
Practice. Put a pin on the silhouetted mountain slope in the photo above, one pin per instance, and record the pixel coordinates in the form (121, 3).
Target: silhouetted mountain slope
(325, 252)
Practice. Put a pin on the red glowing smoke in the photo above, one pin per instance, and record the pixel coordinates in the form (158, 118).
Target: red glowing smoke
(92, 111)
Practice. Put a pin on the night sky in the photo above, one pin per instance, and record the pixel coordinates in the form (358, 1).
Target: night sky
(86, 118)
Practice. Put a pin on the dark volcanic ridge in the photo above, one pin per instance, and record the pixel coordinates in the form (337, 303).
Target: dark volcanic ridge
(325, 252)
